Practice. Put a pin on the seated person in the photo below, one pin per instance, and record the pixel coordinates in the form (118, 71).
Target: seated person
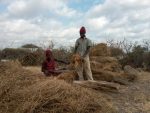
(49, 65)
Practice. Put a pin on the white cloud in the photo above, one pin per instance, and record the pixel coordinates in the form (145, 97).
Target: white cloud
(64, 11)
(18, 32)
(34, 21)
(32, 8)
(128, 18)
(97, 23)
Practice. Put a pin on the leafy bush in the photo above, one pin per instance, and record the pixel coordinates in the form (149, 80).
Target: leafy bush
(62, 54)
(146, 61)
(0, 54)
(116, 52)
(135, 58)
(12, 53)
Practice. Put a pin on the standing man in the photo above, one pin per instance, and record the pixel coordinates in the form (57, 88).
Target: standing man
(82, 47)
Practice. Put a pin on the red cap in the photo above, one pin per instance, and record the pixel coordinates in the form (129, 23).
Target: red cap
(82, 30)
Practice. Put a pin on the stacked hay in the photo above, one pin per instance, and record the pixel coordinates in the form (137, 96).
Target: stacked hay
(106, 63)
(101, 58)
(103, 66)
(23, 92)
(100, 50)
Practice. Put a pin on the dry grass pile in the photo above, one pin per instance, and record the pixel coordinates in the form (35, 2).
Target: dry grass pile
(100, 50)
(23, 92)
(101, 59)
(104, 75)
(68, 76)
(107, 68)
(103, 66)
(106, 63)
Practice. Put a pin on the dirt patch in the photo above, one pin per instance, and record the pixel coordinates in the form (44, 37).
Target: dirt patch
(135, 97)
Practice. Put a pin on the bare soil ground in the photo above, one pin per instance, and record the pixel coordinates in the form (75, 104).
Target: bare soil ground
(133, 98)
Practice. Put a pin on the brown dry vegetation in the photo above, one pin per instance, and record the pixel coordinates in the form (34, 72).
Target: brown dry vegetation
(27, 90)
(21, 91)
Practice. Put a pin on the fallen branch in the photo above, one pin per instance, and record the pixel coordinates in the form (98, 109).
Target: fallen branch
(99, 85)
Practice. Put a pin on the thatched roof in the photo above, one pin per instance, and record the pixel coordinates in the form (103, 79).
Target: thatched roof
(29, 46)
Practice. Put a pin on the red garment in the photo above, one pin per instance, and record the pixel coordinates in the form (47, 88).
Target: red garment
(82, 30)
(50, 65)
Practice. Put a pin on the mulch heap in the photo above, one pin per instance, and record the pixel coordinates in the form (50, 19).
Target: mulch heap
(23, 92)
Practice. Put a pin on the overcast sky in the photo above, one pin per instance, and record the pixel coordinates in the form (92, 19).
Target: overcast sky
(39, 21)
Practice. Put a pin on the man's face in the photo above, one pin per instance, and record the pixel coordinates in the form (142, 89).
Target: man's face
(82, 35)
